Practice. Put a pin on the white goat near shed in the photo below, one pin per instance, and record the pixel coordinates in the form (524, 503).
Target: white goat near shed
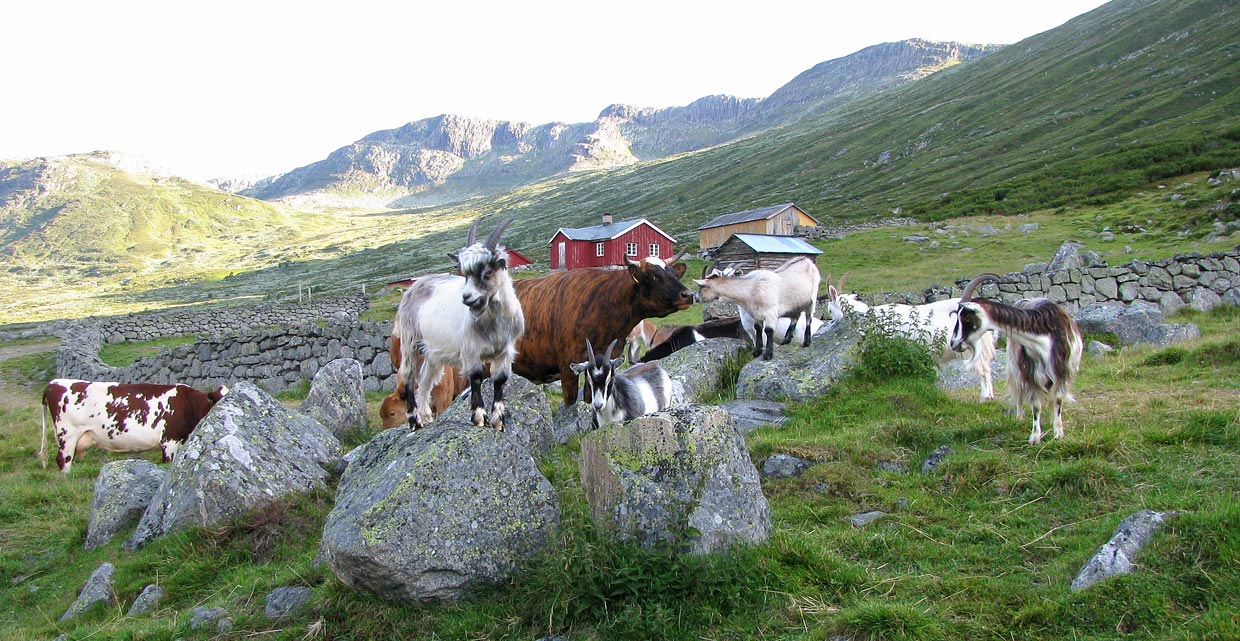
(469, 322)
(764, 296)
(1044, 349)
(639, 390)
(931, 321)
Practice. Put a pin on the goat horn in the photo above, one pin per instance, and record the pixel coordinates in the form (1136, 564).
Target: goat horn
(473, 231)
(589, 351)
(607, 356)
(967, 294)
(494, 237)
(840, 285)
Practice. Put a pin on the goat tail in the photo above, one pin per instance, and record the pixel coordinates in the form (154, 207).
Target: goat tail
(43, 433)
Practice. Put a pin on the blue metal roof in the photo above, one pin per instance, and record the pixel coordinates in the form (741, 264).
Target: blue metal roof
(766, 244)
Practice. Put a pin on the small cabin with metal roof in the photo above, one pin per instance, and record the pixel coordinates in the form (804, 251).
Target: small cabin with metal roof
(748, 252)
(609, 244)
(777, 220)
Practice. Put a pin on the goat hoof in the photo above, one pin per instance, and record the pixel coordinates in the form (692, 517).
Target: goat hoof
(766, 357)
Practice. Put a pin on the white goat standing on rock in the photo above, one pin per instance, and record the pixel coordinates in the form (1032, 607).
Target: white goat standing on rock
(764, 296)
(1044, 349)
(469, 322)
(931, 321)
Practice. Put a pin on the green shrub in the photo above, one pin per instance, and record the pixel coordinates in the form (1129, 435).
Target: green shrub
(885, 352)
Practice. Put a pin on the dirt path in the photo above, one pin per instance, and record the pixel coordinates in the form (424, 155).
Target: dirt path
(15, 392)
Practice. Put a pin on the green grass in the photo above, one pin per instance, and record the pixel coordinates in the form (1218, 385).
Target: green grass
(126, 353)
(983, 548)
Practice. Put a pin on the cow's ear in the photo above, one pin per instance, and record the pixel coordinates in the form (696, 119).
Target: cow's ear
(635, 269)
(679, 268)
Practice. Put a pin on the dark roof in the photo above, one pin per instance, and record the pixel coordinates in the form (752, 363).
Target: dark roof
(606, 231)
(762, 213)
(770, 244)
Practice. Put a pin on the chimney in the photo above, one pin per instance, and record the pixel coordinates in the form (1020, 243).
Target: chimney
(606, 219)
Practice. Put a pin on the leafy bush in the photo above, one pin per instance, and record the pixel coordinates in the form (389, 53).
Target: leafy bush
(887, 351)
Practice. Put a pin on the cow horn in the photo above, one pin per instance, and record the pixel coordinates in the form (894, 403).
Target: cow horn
(677, 257)
(607, 356)
(499, 229)
(967, 294)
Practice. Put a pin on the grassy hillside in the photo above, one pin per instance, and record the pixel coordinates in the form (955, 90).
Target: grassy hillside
(983, 548)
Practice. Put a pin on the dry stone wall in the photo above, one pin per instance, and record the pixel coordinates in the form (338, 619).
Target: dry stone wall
(225, 320)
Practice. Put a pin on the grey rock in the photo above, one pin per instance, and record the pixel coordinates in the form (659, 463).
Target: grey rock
(1129, 323)
(894, 467)
(529, 413)
(699, 367)
(1171, 334)
(1028, 227)
(250, 450)
(572, 421)
(98, 589)
(681, 477)
(1098, 349)
(719, 309)
(337, 399)
(224, 625)
(801, 373)
(748, 416)
(122, 491)
(1170, 303)
(202, 617)
(1117, 556)
(785, 466)
(286, 602)
(432, 514)
(865, 518)
(1068, 256)
(1203, 299)
(935, 459)
(148, 600)
(955, 375)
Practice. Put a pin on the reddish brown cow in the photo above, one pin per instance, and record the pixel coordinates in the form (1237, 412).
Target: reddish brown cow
(564, 309)
(121, 417)
(392, 411)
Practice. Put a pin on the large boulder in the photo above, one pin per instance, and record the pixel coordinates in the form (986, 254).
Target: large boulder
(122, 492)
(248, 451)
(680, 477)
(801, 373)
(748, 416)
(529, 412)
(337, 399)
(431, 514)
(1117, 555)
(1128, 322)
(699, 368)
(1068, 256)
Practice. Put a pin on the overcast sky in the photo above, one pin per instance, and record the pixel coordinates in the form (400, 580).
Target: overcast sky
(224, 88)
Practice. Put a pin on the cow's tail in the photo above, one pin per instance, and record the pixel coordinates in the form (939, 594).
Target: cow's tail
(43, 433)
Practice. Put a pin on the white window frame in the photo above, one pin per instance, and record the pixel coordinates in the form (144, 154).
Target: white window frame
(630, 249)
(654, 250)
(600, 249)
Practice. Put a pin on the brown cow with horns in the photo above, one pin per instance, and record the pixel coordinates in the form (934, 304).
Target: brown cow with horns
(564, 309)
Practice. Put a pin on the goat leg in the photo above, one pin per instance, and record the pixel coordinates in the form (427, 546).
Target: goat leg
(770, 343)
(758, 331)
(411, 404)
(499, 411)
(476, 409)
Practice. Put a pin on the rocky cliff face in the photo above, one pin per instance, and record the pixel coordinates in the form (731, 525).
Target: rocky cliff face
(448, 157)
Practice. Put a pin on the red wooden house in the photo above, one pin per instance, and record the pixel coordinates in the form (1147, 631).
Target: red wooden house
(515, 259)
(611, 243)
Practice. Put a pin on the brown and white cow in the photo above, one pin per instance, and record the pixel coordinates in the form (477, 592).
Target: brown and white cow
(121, 417)
(392, 411)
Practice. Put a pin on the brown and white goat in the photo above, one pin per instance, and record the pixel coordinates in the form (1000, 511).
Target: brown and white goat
(1044, 349)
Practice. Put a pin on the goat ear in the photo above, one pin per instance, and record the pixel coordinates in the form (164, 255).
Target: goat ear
(833, 292)
(501, 263)
(577, 368)
(617, 362)
(455, 258)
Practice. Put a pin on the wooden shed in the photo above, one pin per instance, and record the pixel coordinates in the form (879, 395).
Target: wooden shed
(611, 243)
(776, 220)
(761, 251)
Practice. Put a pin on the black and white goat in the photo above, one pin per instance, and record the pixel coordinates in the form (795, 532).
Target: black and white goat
(1044, 349)
(470, 322)
(931, 322)
(639, 390)
(764, 296)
